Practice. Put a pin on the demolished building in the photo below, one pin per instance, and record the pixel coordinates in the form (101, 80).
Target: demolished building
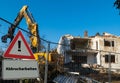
(91, 50)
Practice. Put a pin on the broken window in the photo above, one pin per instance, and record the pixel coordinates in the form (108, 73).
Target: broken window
(108, 43)
(112, 58)
(79, 43)
(112, 43)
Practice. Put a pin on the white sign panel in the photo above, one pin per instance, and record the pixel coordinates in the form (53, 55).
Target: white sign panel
(19, 69)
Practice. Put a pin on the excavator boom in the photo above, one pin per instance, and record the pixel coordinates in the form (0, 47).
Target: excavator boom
(32, 26)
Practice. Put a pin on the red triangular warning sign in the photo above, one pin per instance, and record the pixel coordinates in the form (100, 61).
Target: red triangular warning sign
(19, 48)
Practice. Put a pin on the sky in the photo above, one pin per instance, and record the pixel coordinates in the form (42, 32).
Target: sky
(56, 18)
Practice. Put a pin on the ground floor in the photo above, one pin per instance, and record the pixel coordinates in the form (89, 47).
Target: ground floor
(94, 59)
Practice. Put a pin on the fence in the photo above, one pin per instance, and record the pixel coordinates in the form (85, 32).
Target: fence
(79, 68)
(103, 72)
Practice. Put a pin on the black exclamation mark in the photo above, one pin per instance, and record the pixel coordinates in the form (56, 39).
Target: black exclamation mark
(19, 45)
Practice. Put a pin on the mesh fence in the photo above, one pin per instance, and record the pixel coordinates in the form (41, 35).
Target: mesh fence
(91, 72)
(69, 67)
(79, 70)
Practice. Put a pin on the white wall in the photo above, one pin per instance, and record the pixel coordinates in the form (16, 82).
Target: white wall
(61, 49)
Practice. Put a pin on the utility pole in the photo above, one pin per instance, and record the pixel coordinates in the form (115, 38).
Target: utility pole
(109, 72)
(109, 60)
(46, 63)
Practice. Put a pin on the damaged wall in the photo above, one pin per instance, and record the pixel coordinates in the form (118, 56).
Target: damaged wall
(108, 43)
(99, 44)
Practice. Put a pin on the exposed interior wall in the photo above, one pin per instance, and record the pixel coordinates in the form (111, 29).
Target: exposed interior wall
(91, 59)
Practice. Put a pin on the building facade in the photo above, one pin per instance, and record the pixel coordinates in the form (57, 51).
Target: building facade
(103, 50)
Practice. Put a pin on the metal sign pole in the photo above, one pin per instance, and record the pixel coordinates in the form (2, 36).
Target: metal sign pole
(109, 72)
(46, 63)
(109, 60)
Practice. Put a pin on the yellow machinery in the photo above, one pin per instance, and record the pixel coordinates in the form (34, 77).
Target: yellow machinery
(33, 30)
(32, 26)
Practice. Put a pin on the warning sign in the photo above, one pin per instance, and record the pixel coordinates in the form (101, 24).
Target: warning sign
(19, 69)
(19, 48)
